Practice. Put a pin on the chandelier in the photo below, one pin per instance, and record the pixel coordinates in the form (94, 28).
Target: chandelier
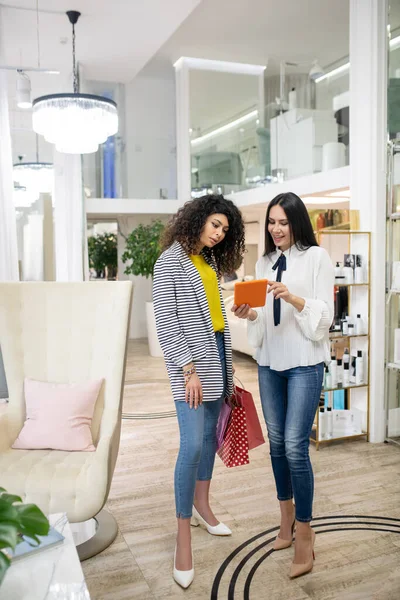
(33, 178)
(76, 123)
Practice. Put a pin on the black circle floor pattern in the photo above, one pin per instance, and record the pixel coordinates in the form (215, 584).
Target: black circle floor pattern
(321, 525)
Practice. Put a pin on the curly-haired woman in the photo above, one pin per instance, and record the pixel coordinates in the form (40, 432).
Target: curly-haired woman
(204, 239)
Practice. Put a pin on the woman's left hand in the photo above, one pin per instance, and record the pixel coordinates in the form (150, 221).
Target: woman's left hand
(280, 290)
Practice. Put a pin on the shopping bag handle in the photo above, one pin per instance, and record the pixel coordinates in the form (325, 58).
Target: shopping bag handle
(233, 403)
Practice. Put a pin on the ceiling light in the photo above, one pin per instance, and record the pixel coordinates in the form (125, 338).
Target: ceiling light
(334, 72)
(76, 123)
(23, 91)
(394, 43)
(316, 71)
(249, 117)
(340, 194)
(321, 200)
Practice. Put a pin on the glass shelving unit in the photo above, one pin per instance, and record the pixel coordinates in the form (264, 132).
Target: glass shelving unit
(357, 396)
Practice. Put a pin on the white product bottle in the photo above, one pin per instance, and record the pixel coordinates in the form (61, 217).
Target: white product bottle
(292, 99)
(359, 328)
(328, 379)
(352, 369)
(329, 423)
(338, 270)
(339, 372)
(346, 357)
(346, 375)
(358, 275)
(359, 368)
(333, 371)
(348, 274)
(359, 271)
(345, 327)
(322, 424)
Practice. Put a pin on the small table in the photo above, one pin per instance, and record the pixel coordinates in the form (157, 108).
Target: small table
(52, 574)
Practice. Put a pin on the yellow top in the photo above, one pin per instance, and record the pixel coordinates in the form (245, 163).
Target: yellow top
(210, 282)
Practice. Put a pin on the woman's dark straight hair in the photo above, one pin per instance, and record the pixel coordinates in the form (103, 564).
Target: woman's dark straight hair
(301, 229)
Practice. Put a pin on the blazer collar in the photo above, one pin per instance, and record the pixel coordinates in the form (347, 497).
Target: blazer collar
(195, 279)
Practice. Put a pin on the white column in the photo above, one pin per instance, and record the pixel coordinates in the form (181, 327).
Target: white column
(368, 126)
(69, 217)
(182, 131)
(8, 224)
(48, 238)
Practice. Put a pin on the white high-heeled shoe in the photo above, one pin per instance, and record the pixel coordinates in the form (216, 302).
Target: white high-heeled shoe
(219, 529)
(183, 578)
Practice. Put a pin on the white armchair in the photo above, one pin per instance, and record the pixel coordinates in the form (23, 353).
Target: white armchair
(65, 333)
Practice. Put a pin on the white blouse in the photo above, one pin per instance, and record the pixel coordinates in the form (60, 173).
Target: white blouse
(302, 338)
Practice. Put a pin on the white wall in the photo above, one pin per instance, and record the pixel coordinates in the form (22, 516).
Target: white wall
(142, 290)
(150, 137)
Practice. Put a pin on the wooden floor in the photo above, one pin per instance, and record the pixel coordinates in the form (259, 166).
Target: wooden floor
(356, 510)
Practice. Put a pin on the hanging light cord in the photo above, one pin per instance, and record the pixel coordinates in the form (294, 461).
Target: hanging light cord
(73, 61)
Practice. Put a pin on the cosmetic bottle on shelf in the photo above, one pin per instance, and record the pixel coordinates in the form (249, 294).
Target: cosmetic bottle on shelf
(346, 374)
(339, 375)
(329, 423)
(359, 329)
(327, 379)
(359, 368)
(322, 424)
(333, 371)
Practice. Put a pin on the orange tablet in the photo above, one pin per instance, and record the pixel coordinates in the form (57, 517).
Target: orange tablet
(253, 292)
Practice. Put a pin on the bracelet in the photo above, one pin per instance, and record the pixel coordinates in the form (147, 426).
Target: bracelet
(189, 371)
(188, 374)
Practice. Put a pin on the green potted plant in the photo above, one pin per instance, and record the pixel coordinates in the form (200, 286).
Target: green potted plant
(103, 254)
(140, 255)
(17, 520)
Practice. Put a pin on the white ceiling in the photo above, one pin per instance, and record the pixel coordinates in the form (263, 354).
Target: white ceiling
(114, 39)
(259, 30)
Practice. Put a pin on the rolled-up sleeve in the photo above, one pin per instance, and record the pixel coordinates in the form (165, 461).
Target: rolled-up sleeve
(170, 336)
(316, 317)
(256, 329)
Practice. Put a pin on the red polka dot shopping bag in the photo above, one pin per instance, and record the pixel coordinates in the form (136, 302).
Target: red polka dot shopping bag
(238, 429)
(234, 451)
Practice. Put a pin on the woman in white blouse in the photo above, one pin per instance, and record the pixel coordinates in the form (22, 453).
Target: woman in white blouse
(291, 335)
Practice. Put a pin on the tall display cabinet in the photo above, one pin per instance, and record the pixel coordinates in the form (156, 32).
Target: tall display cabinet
(392, 350)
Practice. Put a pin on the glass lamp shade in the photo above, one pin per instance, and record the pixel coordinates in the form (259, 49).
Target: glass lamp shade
(75, 123)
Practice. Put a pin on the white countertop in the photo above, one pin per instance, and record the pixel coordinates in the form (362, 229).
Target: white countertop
(52, 574)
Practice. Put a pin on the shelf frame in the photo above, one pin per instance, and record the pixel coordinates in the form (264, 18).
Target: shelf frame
(349, 233)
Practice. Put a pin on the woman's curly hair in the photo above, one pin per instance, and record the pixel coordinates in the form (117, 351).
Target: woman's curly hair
(187, 224)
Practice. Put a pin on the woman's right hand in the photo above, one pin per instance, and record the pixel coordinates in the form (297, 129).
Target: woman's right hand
(244, 312)
(194, 391)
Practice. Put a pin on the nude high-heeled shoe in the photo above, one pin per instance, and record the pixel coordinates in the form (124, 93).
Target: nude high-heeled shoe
(183, 578)
(280, 543)
(301, 569)
(219, 529)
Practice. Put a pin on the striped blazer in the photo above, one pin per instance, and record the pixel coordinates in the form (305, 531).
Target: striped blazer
(184, 325)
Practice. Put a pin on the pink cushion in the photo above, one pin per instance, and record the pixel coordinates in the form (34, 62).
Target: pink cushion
(58, 416)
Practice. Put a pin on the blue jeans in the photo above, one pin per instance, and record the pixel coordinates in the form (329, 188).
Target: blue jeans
(289, 401)
(198, 444)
